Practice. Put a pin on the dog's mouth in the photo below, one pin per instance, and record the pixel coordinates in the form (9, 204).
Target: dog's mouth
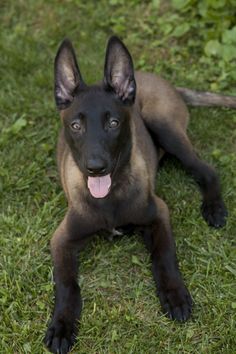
(99, 187)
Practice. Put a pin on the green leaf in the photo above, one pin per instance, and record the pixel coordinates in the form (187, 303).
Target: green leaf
(228, 52)
(19, 124)
(114, 335)
(104, 284)
(167, 28)
(180, 4)
(181, 30)
(202, 8)
(135, 260)
(156, 4)
(229, 36)
(216, 4)
(190, 333)
(27, 347)
(234, 119)
(216, 153)
(40, 304)
(214, 86)
(212, 48)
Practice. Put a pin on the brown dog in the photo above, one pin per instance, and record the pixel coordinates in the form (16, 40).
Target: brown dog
(113, 136)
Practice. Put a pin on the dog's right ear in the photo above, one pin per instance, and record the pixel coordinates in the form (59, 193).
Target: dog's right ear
(67, 75)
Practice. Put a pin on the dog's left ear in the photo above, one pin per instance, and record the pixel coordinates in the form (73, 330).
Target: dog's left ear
(119, 71)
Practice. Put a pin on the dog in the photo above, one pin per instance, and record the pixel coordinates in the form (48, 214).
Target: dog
(114, 135)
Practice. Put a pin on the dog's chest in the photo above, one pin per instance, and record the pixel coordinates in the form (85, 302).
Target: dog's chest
(123, 207)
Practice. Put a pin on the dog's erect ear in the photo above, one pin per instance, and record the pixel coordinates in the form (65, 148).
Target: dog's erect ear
(67, 75)
(119, 71)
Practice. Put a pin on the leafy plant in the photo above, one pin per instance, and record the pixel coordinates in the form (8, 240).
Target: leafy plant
(214, 21)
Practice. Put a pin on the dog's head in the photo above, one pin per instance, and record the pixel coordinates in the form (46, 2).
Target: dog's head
(97, 118)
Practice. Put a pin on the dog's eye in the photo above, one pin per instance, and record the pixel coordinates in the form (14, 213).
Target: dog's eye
(75, 126)
(113, 123)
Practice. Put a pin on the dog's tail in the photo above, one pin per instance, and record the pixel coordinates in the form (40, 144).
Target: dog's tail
(200, 98)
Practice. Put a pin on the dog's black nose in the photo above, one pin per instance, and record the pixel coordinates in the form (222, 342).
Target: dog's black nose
(96, 166)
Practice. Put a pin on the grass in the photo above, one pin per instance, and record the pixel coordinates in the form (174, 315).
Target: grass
(121, 312)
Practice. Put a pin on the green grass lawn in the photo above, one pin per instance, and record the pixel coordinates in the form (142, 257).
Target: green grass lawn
(121, 311)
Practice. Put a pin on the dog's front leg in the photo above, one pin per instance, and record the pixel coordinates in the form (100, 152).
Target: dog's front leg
(65, 244)
(174, 296)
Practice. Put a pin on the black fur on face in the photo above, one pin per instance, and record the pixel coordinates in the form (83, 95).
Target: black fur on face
(97, 118)
(97, 129)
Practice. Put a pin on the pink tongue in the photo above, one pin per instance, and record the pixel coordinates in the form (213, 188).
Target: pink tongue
(99, 186)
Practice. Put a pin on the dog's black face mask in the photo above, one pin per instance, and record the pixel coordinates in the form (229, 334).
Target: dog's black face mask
(97, 128)
(97, 118)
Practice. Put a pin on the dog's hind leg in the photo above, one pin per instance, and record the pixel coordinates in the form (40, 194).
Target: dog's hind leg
(174, 297)
(166, 117)
(174, 140)
(66, 242)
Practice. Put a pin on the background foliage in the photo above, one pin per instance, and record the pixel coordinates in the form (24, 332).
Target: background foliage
(192, 43)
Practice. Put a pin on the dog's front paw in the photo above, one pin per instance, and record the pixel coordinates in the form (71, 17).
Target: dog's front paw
(214, 212)
(60, 336)
(176, 303)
